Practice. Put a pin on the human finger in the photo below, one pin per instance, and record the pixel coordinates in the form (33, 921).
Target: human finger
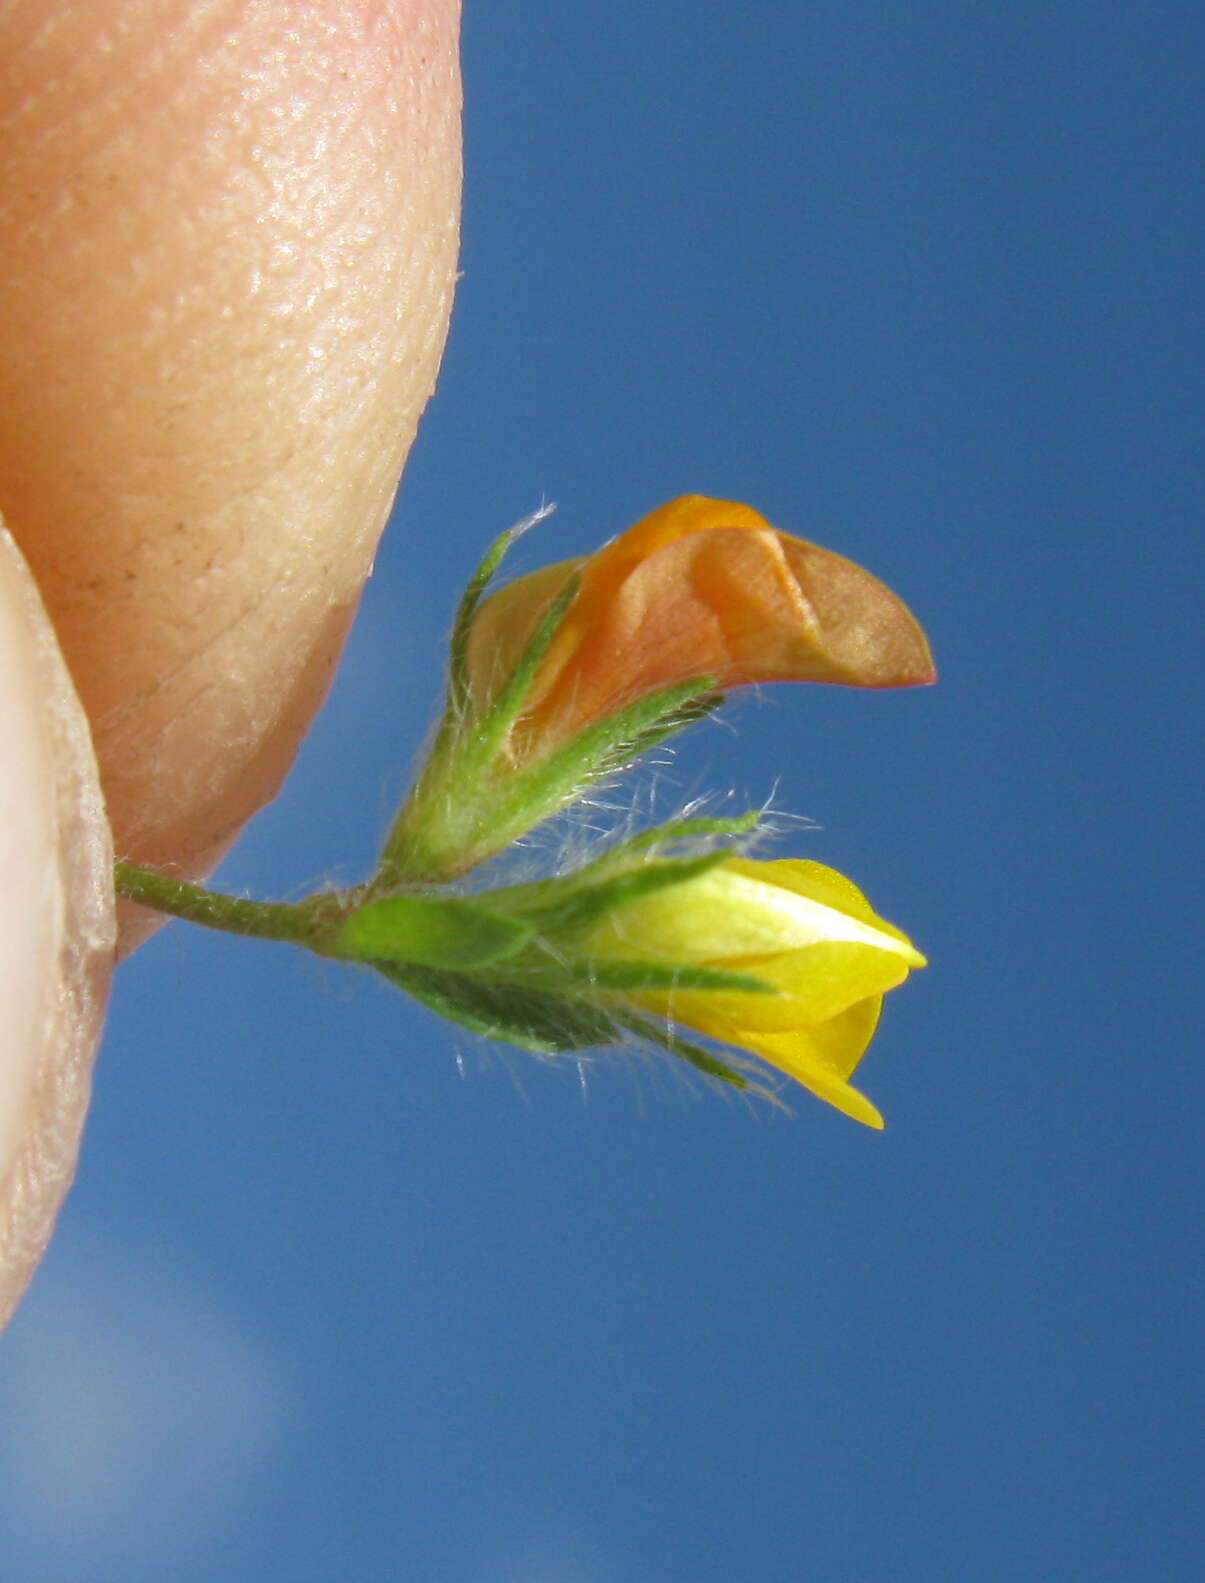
(57, 924)
(227, 249)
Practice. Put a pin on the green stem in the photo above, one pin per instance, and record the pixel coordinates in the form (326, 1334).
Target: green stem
(310, 923)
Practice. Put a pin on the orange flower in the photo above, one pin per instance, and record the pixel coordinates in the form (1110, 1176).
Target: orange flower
(700, 587)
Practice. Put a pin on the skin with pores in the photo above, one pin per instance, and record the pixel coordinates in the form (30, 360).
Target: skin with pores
(228, 240)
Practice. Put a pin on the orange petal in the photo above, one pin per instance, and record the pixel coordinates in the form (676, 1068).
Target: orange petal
(741, 604)
(718, 603)
(869, 637)
(699, 587)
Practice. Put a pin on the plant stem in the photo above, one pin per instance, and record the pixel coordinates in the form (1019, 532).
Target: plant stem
(309, 923)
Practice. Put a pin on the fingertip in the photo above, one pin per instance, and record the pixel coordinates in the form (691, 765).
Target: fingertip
(225, 296)
(56, 924)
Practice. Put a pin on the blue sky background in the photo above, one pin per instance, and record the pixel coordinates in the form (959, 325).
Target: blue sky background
(341, 1293)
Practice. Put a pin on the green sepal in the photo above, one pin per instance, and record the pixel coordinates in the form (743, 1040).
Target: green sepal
(686, 1050)
(467, 608)
(465, 808)
(511, 803)
(430, 931)
(489, 731)
(608, 744)
(534, 1019)
(633, 744)
(692, 827)
(566, 906)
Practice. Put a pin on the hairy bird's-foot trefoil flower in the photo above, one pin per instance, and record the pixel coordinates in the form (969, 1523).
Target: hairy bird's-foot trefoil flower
(561, 679)
(698, 588)
(801, 928)
(566, 675)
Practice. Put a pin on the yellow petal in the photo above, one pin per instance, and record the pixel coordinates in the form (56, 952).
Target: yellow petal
(815, 987)
(817, 983)
(739, 911)
(819, 883)
(823, 1056)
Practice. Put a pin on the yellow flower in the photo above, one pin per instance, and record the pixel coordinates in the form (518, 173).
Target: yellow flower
(795, 924)
(699, 587)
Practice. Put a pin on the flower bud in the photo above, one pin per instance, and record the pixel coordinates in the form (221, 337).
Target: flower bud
(802, 929)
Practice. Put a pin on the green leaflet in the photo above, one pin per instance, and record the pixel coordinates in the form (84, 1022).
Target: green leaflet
(430, 931)
(534, 1019)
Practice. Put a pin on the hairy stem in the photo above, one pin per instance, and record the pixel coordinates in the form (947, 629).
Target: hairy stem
(309, 923)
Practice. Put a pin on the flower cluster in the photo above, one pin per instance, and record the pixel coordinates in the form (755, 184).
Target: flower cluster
(562, 678)
(785, 960)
